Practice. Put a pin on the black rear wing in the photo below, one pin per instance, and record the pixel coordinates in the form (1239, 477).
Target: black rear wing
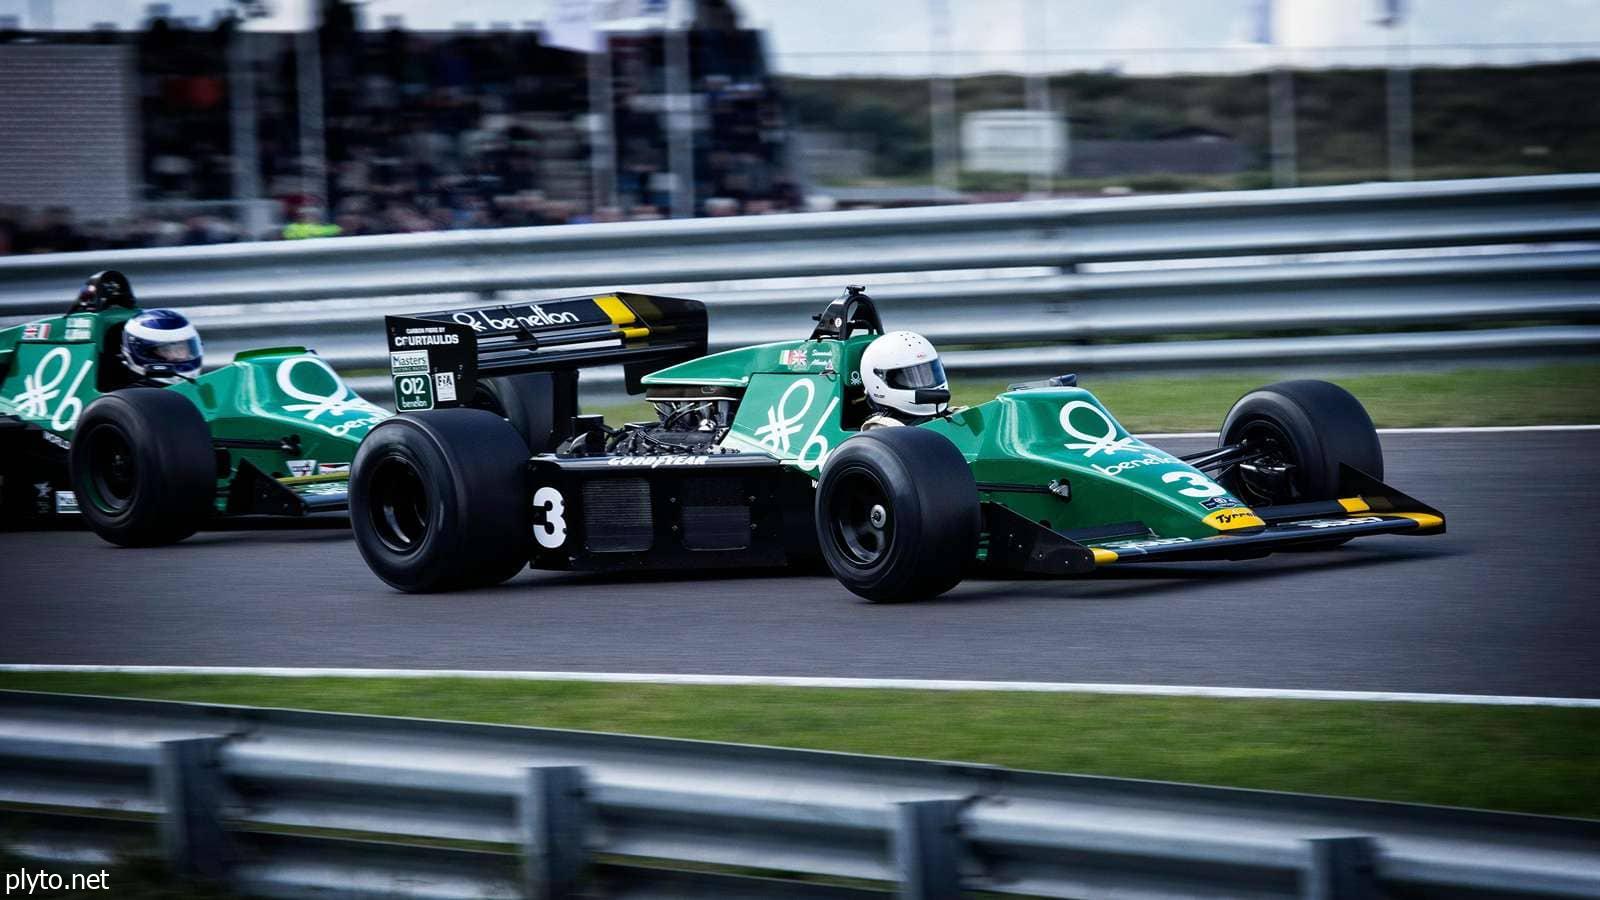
(437, 357)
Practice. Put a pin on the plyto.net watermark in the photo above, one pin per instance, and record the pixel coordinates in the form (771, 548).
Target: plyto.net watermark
(25, 883)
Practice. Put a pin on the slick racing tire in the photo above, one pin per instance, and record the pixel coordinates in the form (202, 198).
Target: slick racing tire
(142, 467)
(437, 500)
(526, 401)
(897, 514)
(1309, 429)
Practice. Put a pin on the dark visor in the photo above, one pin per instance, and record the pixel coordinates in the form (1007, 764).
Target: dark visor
(179, 351)
(925, 375)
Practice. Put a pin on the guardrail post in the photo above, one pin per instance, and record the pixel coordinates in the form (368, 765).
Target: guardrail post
(189, 786)
(1341, 868)
(551, 814)
(927, 849)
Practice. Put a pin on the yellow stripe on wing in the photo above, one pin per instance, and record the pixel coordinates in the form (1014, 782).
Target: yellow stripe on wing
(1103, 556)
(1425, 521)
(622, 317)
(1354, 504)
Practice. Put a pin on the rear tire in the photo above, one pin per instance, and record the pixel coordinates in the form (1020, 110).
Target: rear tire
(1313, 427)
(532, 403)
(897, 514)
(438, 500)
(143, 468)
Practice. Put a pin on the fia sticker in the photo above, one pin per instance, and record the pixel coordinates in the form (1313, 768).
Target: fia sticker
(67, 503)
(300, 468)
(444, 386)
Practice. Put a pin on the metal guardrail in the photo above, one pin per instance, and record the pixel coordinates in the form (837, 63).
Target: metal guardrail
(985, 236)
(276, 802)
(332, 293)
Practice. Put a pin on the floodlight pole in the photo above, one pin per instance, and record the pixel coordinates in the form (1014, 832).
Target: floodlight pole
(941, 98)
(602, 146)
(1399, 105)
(242, 128)
(1037, 90)
(313, 144)
(680, 119)
(1285, 162)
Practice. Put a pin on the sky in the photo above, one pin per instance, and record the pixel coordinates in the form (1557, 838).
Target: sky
(834, 37)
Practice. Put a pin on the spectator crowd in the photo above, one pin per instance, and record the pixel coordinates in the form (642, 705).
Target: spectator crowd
(426, 131)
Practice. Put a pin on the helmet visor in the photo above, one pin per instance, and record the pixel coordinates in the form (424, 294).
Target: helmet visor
(923, 375)
(177, 352)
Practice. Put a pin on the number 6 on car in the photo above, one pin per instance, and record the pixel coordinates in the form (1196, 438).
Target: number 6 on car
(759, 456)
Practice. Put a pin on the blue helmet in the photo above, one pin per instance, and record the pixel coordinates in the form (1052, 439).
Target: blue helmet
(161, 344)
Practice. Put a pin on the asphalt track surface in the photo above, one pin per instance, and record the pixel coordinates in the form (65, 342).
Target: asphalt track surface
(1506, 603)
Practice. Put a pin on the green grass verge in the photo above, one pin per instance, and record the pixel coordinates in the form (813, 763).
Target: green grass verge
(1542, 395)
(1537, 760)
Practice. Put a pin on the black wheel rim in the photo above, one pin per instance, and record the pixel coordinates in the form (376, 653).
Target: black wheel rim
(861, 519)
(399, 505)
(113, 474)
(1275, 476)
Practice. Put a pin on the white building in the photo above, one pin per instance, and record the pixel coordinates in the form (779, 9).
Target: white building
(1024, 141)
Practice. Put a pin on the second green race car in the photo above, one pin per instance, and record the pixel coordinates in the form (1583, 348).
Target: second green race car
(839, 447)
(106, 418)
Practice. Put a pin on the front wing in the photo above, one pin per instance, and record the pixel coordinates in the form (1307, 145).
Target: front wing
(1366, 507)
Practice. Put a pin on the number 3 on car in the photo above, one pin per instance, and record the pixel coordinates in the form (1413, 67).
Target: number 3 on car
(549, 528)
(759, 457)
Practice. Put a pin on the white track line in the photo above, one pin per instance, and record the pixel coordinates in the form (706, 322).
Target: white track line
(1472, 429)
(1039, 687)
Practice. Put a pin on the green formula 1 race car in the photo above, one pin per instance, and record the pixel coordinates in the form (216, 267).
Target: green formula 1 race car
(759, 457)
(145, 462)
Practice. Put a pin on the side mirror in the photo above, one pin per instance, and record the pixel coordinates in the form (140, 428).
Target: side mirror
(933, 395)
(1064, 381)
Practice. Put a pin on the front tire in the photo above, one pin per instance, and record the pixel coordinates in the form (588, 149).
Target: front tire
(143, 468)
(1309, 429)
(437, 500)
(897, 514)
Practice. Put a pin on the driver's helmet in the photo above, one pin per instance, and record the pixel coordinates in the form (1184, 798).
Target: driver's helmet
(161, 338)
(897, 365)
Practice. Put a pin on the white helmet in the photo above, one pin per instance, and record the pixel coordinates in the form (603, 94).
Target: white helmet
(897, 365)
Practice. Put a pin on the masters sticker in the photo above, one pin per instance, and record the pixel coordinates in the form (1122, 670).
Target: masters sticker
(408, 362)
(80, 328)
(413, 392)
(67, 503)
